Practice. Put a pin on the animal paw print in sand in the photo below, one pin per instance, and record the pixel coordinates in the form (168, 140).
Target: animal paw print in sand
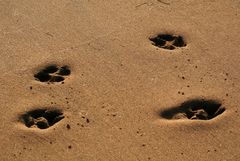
(42, 118)
(167, 41)
(197, 109)
(53, 73)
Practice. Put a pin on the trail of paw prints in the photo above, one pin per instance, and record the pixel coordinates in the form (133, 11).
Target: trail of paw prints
(53, 73)
(167, 41)
(196, 109)
(41, 118)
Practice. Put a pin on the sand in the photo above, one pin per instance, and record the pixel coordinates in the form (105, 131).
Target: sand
(120, 83)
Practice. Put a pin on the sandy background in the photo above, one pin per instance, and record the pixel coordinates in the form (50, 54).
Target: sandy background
(119, 80)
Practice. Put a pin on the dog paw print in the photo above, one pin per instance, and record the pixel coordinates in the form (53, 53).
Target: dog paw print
(167, 41)
(197, 109)
(41, 118)
(53, 73)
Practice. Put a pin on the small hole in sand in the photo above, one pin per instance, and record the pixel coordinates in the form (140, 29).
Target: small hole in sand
(51, 69)
(57, 79)
(42, 76)
(64, 71)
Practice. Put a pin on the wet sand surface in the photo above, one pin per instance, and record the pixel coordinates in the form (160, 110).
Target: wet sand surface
(131, 80)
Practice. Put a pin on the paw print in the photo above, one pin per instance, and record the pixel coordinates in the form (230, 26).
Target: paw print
(167, 41)
(41, 118)
(53, 73)
(196, 109)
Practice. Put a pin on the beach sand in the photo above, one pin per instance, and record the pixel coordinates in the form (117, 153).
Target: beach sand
(112, 102)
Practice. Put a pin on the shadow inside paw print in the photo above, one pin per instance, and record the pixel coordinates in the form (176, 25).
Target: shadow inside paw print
(53, 73)
(167, 41)
(197, 109)
(41, 118)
